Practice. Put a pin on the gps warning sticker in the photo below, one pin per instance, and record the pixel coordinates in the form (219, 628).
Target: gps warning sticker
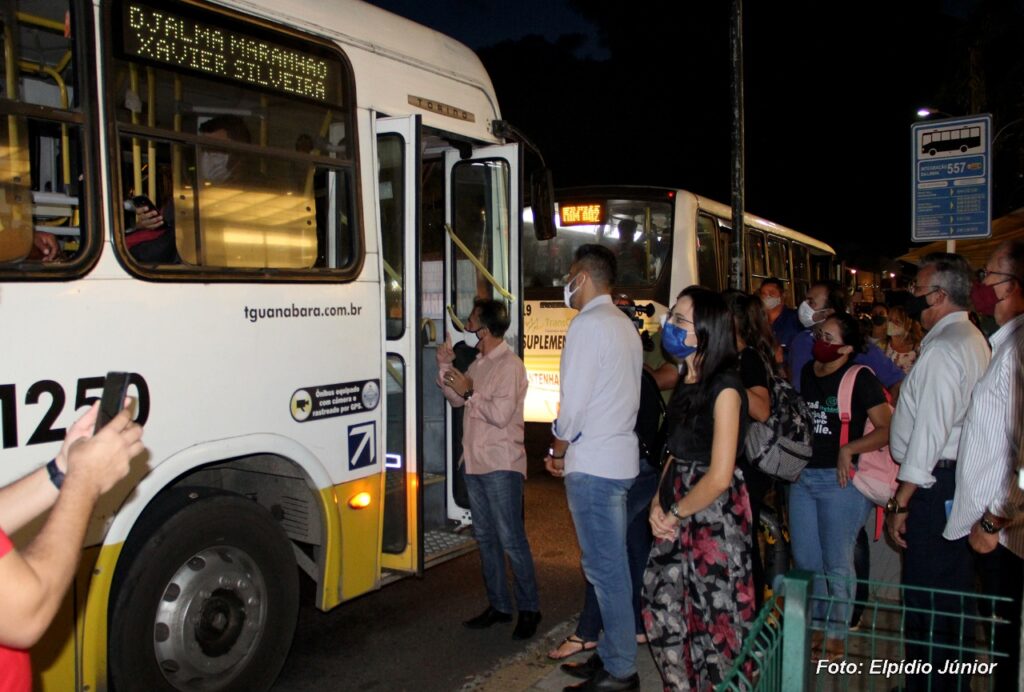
(333, 400)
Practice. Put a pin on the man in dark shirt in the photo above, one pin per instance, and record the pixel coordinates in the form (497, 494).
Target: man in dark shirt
(784, 320)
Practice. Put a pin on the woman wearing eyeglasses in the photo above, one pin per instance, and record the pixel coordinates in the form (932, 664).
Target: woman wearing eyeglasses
(826, 511)
(698, 588)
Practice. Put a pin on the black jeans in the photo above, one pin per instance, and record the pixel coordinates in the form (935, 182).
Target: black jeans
(932, 562)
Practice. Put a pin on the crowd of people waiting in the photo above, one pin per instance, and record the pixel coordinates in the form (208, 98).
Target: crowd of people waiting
(668, 530)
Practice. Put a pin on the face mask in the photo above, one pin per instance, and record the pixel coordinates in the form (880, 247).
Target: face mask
(917, 305)
(894, 330)
(824, 352)
(984, 297)
(568, 292)
(771, 302)
(878, 320)
(213, 166)
(806, 314)
(673, 338)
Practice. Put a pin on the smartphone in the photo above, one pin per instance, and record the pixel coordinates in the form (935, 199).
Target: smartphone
(115, 387)
(141, 201)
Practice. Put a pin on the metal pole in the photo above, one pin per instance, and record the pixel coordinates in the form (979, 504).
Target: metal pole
(736, 43)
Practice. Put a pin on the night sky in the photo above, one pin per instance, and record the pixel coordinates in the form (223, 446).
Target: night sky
(639, 93)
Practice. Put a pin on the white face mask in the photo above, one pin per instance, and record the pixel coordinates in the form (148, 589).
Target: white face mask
(568, 292)
(213, 166)
(892, 330)
(771, 302)
(806, 314)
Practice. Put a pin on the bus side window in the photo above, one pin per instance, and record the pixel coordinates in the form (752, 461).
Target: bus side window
(778, 263)
(756, 264)
(42, 157)
(707, 261)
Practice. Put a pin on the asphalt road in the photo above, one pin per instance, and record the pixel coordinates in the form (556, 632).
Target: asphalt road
(409, 636)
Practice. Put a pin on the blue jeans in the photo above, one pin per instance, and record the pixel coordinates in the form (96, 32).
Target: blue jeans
(638, 547)
(496, 500)
(598, 508)
(824, 520)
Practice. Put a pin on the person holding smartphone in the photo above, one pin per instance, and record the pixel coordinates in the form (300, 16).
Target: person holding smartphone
(33, 581)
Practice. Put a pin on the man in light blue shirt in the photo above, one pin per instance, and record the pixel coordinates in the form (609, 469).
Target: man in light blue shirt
(823, 299)
(596, 450)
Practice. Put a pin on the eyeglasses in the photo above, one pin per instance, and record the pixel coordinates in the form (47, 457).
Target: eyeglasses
(913, 287)
(985, 273)
(678, 319)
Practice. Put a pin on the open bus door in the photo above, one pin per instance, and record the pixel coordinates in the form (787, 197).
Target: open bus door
(483, 217)
(449, 219)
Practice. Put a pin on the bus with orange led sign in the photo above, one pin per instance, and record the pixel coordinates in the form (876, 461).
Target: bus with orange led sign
(266, 212)
(664, 240)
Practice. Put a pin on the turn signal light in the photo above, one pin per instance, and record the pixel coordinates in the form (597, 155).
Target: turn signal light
(360, 500)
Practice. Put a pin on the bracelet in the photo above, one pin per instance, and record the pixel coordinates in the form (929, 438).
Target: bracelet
(551, 453)
(56, 475)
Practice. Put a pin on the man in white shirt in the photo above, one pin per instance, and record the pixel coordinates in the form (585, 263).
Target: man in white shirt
(596, 450)
(924, 438)
(987, 506)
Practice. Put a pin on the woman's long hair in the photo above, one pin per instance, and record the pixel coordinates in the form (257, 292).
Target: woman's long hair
(752, 323)
(716, 350)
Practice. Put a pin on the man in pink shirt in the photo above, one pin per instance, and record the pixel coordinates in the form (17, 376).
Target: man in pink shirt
(492, 391)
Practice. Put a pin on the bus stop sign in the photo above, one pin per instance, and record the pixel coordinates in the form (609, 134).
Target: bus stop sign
(952, 179)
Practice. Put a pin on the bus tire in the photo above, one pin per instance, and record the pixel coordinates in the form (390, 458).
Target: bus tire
(209, 601)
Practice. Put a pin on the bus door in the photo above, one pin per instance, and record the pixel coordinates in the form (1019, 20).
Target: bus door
(482, 261)
(398, 193)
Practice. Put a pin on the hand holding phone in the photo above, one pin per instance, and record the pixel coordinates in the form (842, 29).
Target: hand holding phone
(141, 201)
(115, 388)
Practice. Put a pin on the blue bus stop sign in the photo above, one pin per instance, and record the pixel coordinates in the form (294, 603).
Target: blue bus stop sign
(952, 179)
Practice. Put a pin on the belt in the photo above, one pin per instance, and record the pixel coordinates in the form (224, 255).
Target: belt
(945, 464)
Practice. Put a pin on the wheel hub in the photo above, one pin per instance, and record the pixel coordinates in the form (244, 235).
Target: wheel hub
(210, 616)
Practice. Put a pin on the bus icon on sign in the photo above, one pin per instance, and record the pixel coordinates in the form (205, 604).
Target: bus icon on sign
(957, 138)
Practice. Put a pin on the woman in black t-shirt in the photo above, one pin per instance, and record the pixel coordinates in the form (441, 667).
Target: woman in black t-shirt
(698, 590)
(756, 346)
(826, 511)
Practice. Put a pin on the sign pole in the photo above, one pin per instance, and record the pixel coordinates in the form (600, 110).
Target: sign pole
(736, 43)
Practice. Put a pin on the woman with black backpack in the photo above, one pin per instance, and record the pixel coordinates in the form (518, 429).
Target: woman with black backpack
(756, 347)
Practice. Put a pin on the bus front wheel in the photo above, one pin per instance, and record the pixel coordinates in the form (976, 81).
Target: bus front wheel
(209, 601)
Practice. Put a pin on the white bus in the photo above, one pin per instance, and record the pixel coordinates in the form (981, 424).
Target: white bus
(665, 240)
(333, 181)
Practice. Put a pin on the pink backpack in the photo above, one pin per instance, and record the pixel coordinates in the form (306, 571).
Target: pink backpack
(875, 476)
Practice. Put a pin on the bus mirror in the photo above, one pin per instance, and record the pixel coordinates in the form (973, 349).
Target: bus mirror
(542, 199)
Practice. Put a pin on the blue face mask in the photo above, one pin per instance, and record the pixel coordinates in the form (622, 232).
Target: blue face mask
(673, 339)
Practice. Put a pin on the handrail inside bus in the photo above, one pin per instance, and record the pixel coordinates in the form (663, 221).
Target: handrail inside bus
(455, 318)
(479, 265)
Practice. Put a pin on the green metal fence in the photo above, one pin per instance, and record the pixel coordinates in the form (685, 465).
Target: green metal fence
(947, 635)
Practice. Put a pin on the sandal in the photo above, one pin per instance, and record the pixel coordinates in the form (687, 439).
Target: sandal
(570, 646)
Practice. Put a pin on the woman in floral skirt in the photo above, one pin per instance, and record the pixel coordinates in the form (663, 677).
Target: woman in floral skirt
(698, 588)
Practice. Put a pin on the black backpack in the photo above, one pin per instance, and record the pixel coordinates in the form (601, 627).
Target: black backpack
(781, 446)
(649, 417)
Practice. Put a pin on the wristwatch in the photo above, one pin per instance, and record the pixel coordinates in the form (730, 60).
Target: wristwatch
(56, 475)
(551, 453)
(893, 507)
(674, 511)
(989, 526)
(468, 394)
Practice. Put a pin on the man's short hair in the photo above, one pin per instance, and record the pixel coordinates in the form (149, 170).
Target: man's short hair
(952, 274)
(599, 262)
(777, 283)
(836, 296)
(492, 314)
(1011, 255)
(231, 124)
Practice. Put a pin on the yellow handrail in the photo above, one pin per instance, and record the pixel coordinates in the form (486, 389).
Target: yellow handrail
(479, 265)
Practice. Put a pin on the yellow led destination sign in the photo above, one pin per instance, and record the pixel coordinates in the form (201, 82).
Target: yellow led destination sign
(184, 42)
(581, 214)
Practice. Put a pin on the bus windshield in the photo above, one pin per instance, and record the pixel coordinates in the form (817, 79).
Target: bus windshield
(638, 231)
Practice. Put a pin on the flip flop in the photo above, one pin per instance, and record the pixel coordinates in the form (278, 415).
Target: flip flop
(570, 646)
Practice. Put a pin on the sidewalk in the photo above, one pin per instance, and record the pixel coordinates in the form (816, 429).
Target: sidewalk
(533, 670)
